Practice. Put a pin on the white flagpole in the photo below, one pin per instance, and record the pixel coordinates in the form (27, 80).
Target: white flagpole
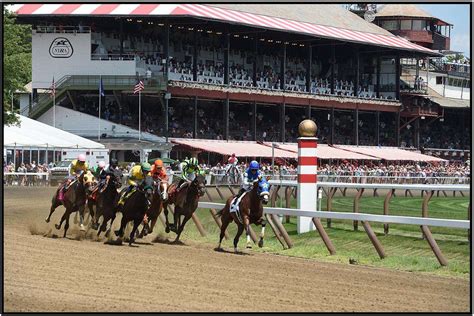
(54, 108)
(139, 115)
(100, 103)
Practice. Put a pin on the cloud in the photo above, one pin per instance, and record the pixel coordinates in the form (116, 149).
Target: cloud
(461, 42)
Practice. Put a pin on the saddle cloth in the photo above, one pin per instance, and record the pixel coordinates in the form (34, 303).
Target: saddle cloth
(234, 205)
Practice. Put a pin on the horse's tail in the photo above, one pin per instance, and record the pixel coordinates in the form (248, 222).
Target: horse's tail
(219, 213)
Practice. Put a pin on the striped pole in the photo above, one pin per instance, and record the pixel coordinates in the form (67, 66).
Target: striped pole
(307, 174)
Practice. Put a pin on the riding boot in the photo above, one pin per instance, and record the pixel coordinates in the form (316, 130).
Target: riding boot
(124, 195)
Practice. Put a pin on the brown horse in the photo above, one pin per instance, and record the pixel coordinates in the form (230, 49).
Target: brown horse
(185, 201)
(136, 206)
(107, 204)
(250, 212)
(159, 197)
(74, 200)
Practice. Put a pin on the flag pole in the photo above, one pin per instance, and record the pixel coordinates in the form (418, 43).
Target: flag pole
(100, 104)
(139, 115)
(54, 109)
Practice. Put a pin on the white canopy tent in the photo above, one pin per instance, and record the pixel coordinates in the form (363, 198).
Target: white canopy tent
(32, 138)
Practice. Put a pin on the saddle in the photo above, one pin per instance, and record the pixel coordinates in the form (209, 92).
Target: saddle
(234, 204)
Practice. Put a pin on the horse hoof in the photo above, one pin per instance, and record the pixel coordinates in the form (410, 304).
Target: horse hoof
(107, 234)
(57, 226)
(249, 247)
(83, 229)
(167, 229)
(117, 233)
(130, 242)
(260, 243)
(47, 220)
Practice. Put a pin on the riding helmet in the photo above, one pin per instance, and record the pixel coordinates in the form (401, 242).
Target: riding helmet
(254, 165)
(146, 166)
(102, 164)
(193, 162)
(158, 163)
(113, 162)
(81, 158)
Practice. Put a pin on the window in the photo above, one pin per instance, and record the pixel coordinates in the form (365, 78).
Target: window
(405, 25)
(419, 25)
(390, 25)
(439, 80)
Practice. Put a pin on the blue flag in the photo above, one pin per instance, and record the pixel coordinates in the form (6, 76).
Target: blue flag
(101, 88)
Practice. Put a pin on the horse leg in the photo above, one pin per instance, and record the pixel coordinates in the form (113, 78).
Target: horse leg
(152, 225)
(262, 233)
(63, 218)
(107, 233)
(165, 209)
(225, 222)
(119, 233)
(240, 230)
(181, 227)
(54, 205)
(247, 230)
(66, 227)
(81, 212)
(136, 223)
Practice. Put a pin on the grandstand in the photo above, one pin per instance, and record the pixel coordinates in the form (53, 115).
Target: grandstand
(221, 72)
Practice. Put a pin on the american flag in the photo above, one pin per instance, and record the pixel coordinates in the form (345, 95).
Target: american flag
(53, 89)
(138, 87)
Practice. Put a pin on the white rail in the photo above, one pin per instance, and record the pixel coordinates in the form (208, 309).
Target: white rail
(439, 222)
(424, 187)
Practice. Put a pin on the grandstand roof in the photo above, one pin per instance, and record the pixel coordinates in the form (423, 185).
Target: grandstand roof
(448, 102)
(405, 10)
(329, 24)
(327, 152)
(390, 153)
(31, 133)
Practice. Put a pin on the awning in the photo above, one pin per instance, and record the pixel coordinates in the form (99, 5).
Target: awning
(240, 148)
(31, 133)
(225, 15)
(327, 152)
(390, 153)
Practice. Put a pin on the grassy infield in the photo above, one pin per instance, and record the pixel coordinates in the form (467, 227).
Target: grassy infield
(404, 248)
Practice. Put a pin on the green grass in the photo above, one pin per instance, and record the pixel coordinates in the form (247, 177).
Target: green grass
(405, 249)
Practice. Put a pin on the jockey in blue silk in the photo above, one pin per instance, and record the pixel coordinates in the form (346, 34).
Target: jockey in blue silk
(251, 175)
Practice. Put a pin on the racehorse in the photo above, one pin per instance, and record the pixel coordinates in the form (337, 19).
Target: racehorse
(107, 203)
(136, 206)
(185, 201)
(74, 200)
(250, 212)
(91, 183)
(160, 195)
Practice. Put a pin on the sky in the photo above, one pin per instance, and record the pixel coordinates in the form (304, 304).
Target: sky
(458, 15)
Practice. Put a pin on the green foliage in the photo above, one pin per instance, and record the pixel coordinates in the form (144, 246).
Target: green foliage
(16, 62)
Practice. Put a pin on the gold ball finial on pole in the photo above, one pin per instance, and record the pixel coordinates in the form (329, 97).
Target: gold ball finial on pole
(307, 128)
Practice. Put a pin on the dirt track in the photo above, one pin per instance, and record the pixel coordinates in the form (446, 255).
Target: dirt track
(45, 274)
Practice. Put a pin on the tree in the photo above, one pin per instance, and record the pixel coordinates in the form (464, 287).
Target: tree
(16, 62)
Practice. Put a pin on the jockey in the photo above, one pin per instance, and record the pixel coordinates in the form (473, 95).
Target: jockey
(251, 175)
(113, 170)
(99, 171)
(158, 172)
(189, 170)
(137, 173)
(232, 161)
(76, 167)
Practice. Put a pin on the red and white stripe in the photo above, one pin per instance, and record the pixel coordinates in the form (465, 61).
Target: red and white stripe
(207, 11)
(307, 160)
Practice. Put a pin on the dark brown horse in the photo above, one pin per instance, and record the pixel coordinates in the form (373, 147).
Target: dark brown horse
(136, 206)
(185, 203)
(250, 212)
(107, 204)
(74, 200)
(160, 195)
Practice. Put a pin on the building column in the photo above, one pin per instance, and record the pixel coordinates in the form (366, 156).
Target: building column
(379, 61)
(397, 77)
(283, 67)
(226, 118)
(397, 127)
(417, 133)
(377, 129)
(166, 47)
(195, 120)
(308, 111)
(195, 56)
(121, 36)
(255, 56)
(357, 66)
(226, 56)
(356, 126)
(333, 63)
(282, 122)
(254, 120)
(332, 125)
(309, 65)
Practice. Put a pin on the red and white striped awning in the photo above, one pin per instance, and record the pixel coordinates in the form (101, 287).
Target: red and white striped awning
(390, 153)
(220, 14)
